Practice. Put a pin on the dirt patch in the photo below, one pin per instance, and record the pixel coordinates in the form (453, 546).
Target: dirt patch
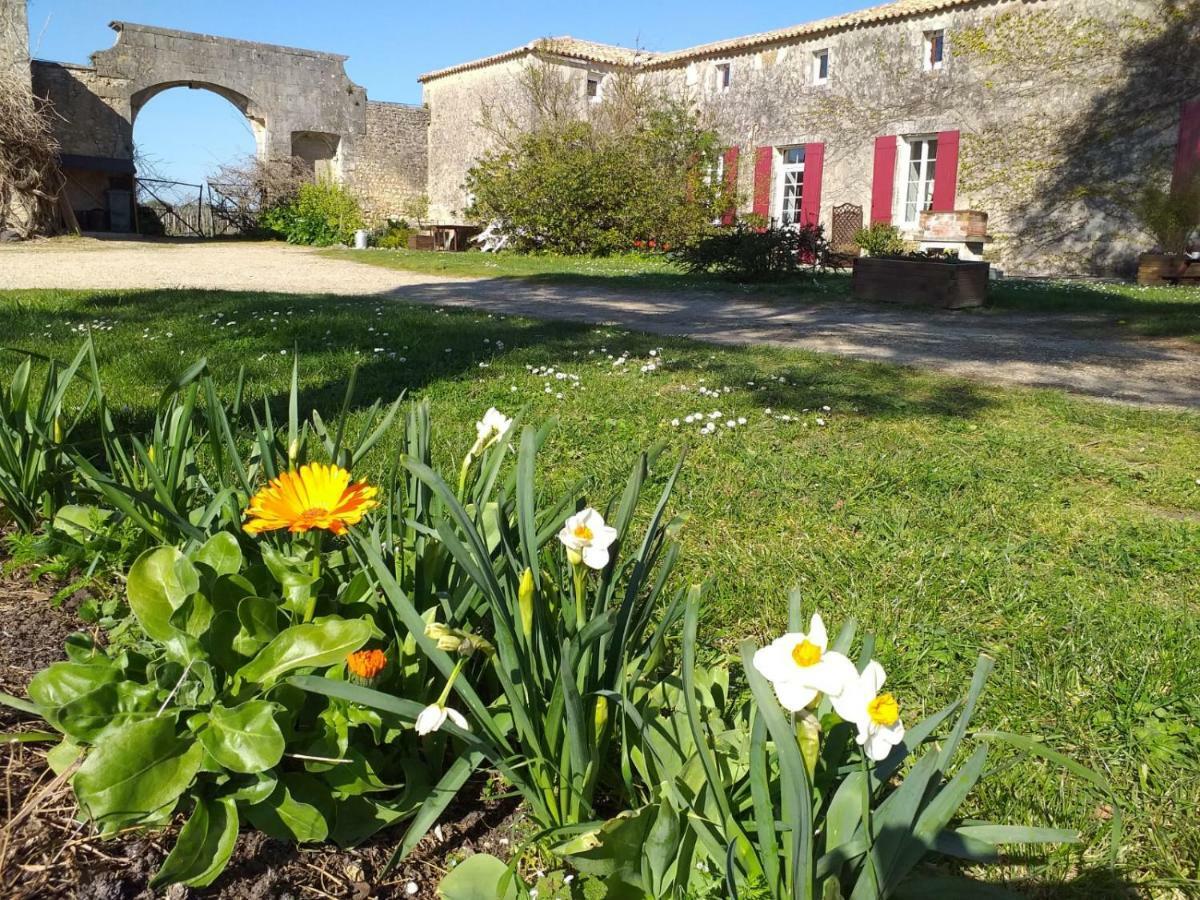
(45, 851)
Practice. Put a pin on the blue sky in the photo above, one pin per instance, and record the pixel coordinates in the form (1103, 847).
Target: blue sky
(187, 133)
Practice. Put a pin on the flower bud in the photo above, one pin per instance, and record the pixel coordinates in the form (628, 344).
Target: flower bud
(447, 638)
(365, 666)
(472, 643)
(293, 450)
(58, 429)
(600, 716)
(525, 602)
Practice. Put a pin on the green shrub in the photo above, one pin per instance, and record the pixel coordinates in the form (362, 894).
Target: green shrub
(1172, 216)
(393, 236)
(576, 188)
(880, 239)
(322, 213)
(748, 253)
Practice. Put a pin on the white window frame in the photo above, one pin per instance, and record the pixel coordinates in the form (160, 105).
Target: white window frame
(783, 169)
(909, 146)
(716, 176)
(928, 42)
(818, 55)
(722, 76)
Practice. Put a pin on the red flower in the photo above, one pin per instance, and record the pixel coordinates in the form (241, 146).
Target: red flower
(639, 244)
(653, 243)
(666, 247)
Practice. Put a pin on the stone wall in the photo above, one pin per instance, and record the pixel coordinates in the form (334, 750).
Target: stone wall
(391, 162)
(14, 37)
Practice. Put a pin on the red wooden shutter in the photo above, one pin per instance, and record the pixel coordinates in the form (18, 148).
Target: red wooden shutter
(814, 166)
(1187, 158)
(884, 180)
(945, 174)
(731, 177)
(762, 181)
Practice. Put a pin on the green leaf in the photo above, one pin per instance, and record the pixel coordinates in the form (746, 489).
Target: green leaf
(135, 772)
(220, 553)
(64, 682)
(205, 844)
(259, 617)
(158, 583)
(306, 646)
(287, 817)
(109, 706)
(478, 877)
(244, 739)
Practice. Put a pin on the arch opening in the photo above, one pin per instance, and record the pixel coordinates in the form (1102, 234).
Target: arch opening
(189, 137)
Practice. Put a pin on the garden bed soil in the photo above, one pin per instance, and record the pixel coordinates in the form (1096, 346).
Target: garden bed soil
(921, 282)
(46, 852)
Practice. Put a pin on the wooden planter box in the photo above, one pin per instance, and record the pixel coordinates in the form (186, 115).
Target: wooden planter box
(1155, 268)
(921, 282)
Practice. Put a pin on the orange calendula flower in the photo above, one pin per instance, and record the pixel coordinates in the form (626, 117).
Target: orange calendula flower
(314, 497)
(366, 664)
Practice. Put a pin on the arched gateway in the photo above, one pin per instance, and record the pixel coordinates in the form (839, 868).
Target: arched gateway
(300, 103)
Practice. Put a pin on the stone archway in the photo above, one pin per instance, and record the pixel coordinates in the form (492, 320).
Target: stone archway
(300, 103)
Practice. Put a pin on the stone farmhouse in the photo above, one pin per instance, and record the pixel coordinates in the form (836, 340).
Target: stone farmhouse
(1049, 115)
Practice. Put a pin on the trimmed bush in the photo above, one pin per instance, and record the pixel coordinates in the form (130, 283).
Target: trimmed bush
(880, 239)
(748, 253)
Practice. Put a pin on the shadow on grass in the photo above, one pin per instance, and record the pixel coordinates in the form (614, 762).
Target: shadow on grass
(423, 345)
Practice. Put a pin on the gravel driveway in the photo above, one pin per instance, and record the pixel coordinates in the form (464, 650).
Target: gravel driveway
(1066, 352)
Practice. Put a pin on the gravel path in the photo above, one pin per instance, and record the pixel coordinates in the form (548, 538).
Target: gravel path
(1067, 352)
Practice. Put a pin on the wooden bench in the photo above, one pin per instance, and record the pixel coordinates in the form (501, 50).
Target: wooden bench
(1190, 274)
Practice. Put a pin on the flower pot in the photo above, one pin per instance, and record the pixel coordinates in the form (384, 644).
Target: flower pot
(1156, 268)
(922, 282)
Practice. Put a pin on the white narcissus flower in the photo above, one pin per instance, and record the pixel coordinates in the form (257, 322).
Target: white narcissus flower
(434, 716)
(587, 538)
(875, 715)
(799, 667)
(491, 428)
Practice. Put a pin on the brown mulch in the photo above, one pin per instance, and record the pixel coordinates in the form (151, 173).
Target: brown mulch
(45, 851)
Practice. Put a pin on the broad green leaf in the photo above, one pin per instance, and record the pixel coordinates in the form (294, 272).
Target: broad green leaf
(205, 844)
(135, 772)
(478, 877)
(158, 583)
(220, 553)
(63, 755)
(306, 646)
(255, 790)
(63, 682)
(259, 616)
(287, 817)
(244, 739)
(83, 523)
(109, 706)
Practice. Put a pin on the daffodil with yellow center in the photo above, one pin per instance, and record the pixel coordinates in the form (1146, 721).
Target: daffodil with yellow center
(875, 715)
(800, 666)
(587, 539)
(315, 497)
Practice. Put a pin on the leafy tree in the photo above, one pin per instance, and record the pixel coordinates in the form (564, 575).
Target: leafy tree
(638, 169)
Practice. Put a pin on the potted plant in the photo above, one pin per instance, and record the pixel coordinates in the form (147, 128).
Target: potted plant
(1172, 217)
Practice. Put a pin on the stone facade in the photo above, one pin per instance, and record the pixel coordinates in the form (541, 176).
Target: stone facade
(14, 37)
(391, 167)
(1057, 112)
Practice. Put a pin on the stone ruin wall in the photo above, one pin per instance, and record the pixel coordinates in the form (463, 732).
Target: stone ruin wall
(391, 160)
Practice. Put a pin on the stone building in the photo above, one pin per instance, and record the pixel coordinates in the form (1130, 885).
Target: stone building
(1049, 115)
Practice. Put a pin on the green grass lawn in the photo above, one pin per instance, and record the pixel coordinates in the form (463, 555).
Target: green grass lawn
(1058, 535)
(1151, 312)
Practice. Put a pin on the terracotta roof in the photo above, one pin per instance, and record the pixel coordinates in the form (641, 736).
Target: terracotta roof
(590, 51)
(888, 12)
(562, 45)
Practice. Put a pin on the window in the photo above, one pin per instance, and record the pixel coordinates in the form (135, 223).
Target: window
(821, 67)
(790, 190)
(722, 76)
(919, 161)
(935, 50)
(594, 80)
